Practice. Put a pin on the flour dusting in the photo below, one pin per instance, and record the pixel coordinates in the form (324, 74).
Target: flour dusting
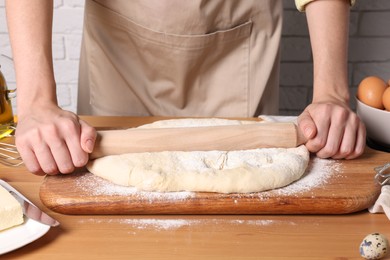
(317, 174)
(174, 224)
(95, 186)
(169, 224)
(160, 224)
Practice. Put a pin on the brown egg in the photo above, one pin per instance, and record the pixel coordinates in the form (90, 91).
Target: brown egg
(370, 91)
(386, 99)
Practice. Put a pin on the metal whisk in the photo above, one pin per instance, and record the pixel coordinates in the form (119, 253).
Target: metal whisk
(8, 153)
(383, 174)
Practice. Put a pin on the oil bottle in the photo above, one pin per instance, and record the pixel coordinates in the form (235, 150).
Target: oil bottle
(6, 114)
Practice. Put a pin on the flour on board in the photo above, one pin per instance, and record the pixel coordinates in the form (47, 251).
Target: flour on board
(317, 174)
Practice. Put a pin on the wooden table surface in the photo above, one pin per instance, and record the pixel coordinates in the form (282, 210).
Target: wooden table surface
(192, 236)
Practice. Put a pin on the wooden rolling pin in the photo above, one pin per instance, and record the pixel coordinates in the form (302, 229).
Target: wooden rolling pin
(225, 138)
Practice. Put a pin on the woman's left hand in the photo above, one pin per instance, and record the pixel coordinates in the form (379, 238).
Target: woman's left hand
(333, 130)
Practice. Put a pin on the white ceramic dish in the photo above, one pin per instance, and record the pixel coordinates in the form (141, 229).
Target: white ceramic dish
(16, 237)
(377, 122)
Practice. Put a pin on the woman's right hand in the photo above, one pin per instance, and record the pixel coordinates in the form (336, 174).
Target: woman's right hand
(51, 140)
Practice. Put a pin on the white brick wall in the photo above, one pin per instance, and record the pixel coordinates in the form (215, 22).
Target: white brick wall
(369, 50)
(67, 30)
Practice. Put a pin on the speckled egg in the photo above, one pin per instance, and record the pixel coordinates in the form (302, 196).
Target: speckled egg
(374, 246)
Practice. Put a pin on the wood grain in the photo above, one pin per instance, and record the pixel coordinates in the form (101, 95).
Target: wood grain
(350, 190)
(197, 236)
(208, 138)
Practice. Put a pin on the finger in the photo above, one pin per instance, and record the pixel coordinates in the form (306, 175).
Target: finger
(360, 142)
(347, 145)
(88, 137)
(72, 140)
(306, 125)
(353, 142)
(62, 156)
(317, 143)
(45, 159)
(30, 160)
(349, 139)
(333, 141)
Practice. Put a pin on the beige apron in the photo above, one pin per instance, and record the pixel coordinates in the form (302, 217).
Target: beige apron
(180, 58)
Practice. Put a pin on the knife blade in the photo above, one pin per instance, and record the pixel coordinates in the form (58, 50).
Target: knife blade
(29, 209)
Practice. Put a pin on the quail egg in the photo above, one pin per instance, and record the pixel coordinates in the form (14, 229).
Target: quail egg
(374, 246)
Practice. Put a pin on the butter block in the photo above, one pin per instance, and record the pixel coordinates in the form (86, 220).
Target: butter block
(11, 212)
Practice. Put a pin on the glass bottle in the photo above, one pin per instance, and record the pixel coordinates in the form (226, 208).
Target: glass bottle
(6, 114)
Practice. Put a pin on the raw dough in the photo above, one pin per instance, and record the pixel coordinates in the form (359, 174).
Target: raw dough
(11, 212)
(212, 171)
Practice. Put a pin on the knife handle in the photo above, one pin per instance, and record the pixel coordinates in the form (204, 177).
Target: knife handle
(225, 138)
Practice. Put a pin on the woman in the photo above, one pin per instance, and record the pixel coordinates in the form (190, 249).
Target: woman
(176, 58)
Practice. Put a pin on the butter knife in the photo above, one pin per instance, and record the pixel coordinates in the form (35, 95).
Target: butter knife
(29, 209)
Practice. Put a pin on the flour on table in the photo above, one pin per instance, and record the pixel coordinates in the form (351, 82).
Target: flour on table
(210, 171)
(164, 224)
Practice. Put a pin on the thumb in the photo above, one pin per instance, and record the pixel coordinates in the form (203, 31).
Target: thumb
(87, 137)
(306, 125)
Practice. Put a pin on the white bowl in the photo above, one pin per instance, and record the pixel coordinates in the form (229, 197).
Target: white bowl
(377, 122)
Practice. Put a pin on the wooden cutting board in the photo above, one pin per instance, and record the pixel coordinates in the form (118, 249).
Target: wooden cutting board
(328, 187)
